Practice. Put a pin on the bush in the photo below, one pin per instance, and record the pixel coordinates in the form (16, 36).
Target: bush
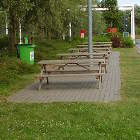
(101, 38)
(12, 68)
(128, 42)
(3, 45)
(118, 41)
(137, 30)
(79, 40)
(3, 42)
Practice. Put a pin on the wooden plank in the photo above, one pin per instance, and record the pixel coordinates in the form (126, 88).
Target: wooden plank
(69, 61)
(86, 43)
(73, 71)
(94, 49)
(97, 45)
(70, 75)
(82, 54)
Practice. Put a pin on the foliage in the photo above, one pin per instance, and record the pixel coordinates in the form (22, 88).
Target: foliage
(49, 18)
(137, 15)
(47, 49)
(137, 30)
(3, 45)
(3, 42)
(101, 38)
(128, 42)
(118, 41)
(13, 70)
(111, 4)
(16, 10)
(2, 22)
(112, 15)
(52, 17)
(137, 19)
(99, 24)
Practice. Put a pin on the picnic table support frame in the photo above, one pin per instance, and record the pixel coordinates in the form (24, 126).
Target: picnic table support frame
(45, 74)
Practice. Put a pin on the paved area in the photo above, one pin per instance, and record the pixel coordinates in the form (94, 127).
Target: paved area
(75, 89)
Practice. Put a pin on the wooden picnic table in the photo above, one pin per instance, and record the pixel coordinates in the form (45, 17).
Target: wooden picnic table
(84, 67)
(85, 49)
(70, 61)
(95, 45)
(98, 43)
(84, 55)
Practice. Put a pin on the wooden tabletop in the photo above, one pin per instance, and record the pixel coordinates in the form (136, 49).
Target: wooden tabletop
(70, 61)
(76, 49)
(99, 43)
(94, 45)
(82, 54)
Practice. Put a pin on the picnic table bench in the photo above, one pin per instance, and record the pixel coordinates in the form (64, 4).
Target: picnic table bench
(76, 67)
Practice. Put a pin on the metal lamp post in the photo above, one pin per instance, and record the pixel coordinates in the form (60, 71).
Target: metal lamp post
(90, 27)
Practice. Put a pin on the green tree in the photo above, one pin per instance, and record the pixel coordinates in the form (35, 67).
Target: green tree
(137, 19)
(52, 17)
(112, 16)
(16, 10)
(137, 15)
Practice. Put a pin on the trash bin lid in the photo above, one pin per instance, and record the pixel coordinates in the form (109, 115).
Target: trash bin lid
(27, 45)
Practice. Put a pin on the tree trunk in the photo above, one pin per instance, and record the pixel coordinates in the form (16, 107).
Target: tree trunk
(42, 33)
(49, 35)
(12, 34)
(111, 24)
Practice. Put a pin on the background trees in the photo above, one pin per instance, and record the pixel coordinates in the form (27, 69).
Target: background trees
(16, 10)
(112, 15)
(48, 18)
(137, 19)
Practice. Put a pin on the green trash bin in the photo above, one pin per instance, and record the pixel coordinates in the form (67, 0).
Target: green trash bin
(26, 53)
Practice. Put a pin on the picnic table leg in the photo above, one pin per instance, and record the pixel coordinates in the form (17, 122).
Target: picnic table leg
(99, 85)
(101, 79)
(105, 69)
(40, 83)
(100, 76)
(47, 80)
(45, 70)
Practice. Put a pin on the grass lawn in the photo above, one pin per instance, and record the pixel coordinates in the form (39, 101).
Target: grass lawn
(79, 121)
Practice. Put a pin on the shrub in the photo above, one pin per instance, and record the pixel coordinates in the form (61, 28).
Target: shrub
(101, 38)
(3, 42)
(118, 41)
(138, 30)
(128, 42)
(12, 68)
(79, 40)
(3, 45)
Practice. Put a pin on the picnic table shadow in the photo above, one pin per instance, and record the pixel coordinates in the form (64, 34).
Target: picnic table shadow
(68, 84)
